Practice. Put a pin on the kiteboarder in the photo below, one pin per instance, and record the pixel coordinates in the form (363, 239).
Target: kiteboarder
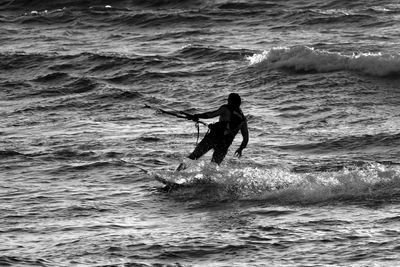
(222, 133)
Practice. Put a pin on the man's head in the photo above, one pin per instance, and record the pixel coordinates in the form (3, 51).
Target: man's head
(234, 100)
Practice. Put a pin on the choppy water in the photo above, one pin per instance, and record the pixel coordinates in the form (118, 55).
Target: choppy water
(319, 183)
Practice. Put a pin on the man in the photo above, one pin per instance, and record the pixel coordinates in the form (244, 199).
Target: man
(222, 133)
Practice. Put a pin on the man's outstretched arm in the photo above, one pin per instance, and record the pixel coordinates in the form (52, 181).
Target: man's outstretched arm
(210, 114)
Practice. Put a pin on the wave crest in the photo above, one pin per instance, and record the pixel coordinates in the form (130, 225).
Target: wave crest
(308, 59)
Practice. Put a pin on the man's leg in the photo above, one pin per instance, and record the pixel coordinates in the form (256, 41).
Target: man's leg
(219, 155)
(203, 147)
(221, 149)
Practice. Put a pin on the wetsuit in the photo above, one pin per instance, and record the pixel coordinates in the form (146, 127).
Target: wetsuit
(220, 136)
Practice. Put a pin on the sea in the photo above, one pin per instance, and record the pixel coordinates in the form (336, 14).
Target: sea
(82, 137)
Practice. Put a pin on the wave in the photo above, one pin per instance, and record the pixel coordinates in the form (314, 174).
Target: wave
(72, 154)
(86, 166)
(58, 16)
(347, 18)
(308, 59)
(99, 17)
(80, 85)
(120, 95)
(344, 14)
(162, 19)
(9, 153)
(228, 4)
(23, 261)
(96, 17)
(281, 186)
(167, 13)
(37, 4)
(13, 60)
(324, 16)
(54, 77)
(212, 53)
(247, 6)
(340, 4)
(58, 84)
(58, 4)
(100, 63)
(176, 34)
(55, 68)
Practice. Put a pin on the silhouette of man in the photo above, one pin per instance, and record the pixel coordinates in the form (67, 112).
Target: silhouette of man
(222, 133)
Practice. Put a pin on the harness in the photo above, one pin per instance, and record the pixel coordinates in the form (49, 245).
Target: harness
(231, 127)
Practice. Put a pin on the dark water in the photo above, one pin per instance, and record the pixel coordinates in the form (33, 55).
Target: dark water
(318, 185)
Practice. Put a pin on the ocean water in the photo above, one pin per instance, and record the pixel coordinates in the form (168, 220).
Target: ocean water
(318, 184)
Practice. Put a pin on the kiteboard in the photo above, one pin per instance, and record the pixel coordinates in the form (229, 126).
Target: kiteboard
(170, 184)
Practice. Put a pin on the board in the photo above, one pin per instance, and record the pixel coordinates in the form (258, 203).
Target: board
(169, 184)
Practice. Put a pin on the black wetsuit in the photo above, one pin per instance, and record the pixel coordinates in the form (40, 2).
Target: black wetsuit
(220, 136)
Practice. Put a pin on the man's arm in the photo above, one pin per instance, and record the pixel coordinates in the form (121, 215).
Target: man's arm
(210, 114)
(245, 134)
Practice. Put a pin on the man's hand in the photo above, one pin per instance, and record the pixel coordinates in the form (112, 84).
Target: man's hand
(193, 117)
(238, 152)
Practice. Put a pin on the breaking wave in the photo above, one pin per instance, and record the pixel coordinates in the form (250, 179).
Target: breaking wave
(308, 59)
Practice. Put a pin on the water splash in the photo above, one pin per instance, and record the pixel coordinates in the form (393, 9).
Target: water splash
(281, 186)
